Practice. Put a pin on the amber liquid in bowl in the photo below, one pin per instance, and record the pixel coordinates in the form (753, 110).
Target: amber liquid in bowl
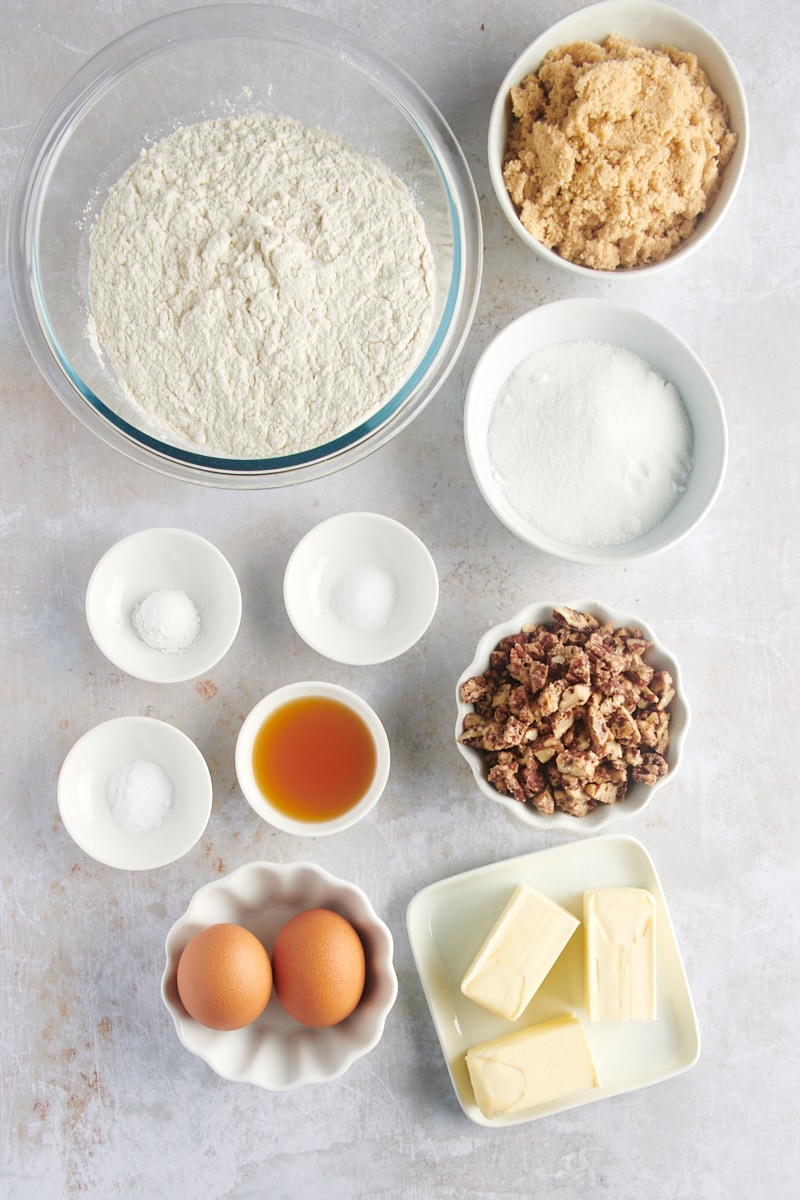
(314, 759)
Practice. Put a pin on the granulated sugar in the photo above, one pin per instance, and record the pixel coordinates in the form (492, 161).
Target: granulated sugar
(589, 444)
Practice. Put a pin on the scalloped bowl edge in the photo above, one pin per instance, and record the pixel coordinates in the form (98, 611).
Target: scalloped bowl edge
(639, 796)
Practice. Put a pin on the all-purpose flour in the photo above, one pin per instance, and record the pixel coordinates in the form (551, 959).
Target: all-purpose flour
(259, 287)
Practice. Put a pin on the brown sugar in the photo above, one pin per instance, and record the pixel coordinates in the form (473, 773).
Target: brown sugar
(614, 151)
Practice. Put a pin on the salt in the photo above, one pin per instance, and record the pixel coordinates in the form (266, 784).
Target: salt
(167, 620)
(364, 598)
(140, 795)
(589, 444)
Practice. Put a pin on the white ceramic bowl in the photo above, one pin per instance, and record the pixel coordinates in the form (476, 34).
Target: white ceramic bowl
(638, 795)
(262, 805)
(84, 805)
(276, 1052)
(361, 588)
(618, 325)
(652, 25)
(150, 561)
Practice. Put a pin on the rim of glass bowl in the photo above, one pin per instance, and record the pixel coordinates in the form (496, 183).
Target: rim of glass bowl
(150, 41)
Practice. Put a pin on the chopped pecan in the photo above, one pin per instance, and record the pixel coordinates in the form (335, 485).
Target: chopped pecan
(654, 730)
(606, 793)
(544, 802)
(503, 775)
(493, 737)
(661, 685)
(546, 748)
(579, 669)
(519, 705)
(652, 767)
(472, 728)
(582, 766)
(474, 689)
(640, 672)
(578, 694)
(574, 619)
(532, 779)
(562, 724)
(569, 713)
(624, 727)
(599, 731)
(574, 801)
(549, 698)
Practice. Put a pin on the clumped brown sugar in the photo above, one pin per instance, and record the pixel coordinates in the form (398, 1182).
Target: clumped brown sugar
(614, 151)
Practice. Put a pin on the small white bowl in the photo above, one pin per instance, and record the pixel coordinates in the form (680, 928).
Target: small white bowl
(360, 588)
(652, 25)
(84, 805)
(615, 324)
(155, 560)
(276, 1052)
(244, 758)
(638, 795)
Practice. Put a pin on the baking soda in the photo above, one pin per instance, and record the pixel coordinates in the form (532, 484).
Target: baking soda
(167, 620)
(589, 444)
(140, 795)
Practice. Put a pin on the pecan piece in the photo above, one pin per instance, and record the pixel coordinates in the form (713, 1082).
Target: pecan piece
(474, 689)
(654, 730)
(574, 801)
(582, 766)
(652, 767)
(574, 619)
(661, 684)
(606, 793)
(503, 775)
(544, 802)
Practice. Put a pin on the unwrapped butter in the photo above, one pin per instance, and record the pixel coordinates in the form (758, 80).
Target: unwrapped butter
(525, 941)
(620, 952)
(531, 1066)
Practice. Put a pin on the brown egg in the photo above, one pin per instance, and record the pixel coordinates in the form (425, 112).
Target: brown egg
(224, 977)
(319, 967)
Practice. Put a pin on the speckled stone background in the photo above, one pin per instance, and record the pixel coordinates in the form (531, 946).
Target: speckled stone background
(99, 1099)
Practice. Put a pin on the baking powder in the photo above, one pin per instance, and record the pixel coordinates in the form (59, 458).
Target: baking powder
(259, 287)
(589, 444)
(364, 598)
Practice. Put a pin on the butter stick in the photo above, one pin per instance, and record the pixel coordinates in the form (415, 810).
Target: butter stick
(620, 954)
(532, 1066)
(525, 941)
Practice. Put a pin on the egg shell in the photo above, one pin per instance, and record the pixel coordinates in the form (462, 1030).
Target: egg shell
(319, 967)
(224, 977)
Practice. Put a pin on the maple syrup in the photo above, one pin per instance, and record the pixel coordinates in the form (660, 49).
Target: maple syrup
(314, 758)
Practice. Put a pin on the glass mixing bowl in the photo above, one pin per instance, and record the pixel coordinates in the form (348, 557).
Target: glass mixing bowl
(197, 65)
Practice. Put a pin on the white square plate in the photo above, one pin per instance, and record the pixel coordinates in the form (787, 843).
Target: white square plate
(448, 921)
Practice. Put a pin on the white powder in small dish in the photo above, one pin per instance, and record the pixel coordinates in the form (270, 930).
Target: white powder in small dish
(259, 287)
(167, 620)
(140, 795)
(589, 444)
(364, 598)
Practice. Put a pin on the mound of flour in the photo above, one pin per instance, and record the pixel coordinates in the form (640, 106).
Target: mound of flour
(259, 287)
